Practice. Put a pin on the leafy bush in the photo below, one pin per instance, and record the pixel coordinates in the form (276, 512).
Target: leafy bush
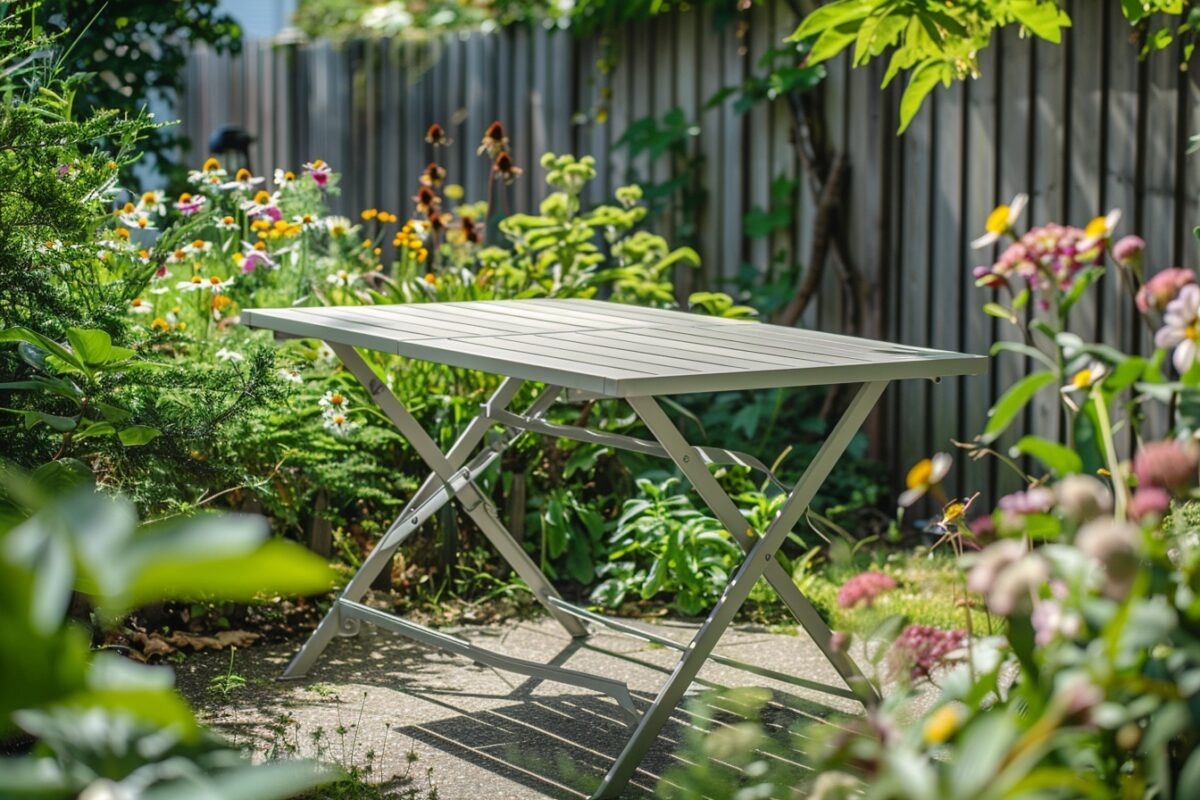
(101, 723)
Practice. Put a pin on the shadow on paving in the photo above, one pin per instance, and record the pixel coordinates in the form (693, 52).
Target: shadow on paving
(477, 725)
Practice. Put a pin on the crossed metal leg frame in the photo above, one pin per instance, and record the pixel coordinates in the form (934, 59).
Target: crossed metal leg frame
(453, 477)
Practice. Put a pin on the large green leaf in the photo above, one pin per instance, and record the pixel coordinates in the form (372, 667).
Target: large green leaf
(1059, 458)
(275, 567)
(1010, 404)
(19, 334)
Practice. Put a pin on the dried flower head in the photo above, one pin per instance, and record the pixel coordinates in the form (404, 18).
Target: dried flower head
(1083, 497)
(504, 166)
(1114, 544)
(427, 201)
(437, 137)
(433, 175)
(494, 140)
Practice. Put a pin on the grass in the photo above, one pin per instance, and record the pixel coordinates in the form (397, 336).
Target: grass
(929, 591)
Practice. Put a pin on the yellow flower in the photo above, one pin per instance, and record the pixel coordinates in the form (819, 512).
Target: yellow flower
(1099, 229)
(924, 475)
(210, 165)
(431, 279)
(941, 724)
(1001, 220)
(160, 323)
(369, 213)
(454, 191)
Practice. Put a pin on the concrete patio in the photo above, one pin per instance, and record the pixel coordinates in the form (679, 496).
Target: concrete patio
(489, 733)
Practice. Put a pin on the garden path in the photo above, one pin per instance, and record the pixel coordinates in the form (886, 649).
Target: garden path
(487, 734)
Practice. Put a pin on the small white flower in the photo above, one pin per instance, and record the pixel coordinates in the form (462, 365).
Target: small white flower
(227, 223)
(284, 178)
(1001, 220)
(1085, 378)
(153, 202)
(140, 306)
(243, 180)
(333, 402)
(339, 424)
(308, 221)
(338, 226)
(197, 247)
(291, 376)
(341, 278)
(137, 220)
(225, 354)
(190, 285)
(1181, 327)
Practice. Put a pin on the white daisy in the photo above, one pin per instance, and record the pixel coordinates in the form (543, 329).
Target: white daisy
(1181, 328)
(339, 424)
(226, 354)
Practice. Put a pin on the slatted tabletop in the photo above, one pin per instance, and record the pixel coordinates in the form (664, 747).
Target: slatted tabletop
(613, 349)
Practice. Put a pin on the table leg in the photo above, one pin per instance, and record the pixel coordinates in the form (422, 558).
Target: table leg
(761, 555)
(478, 508)
(428, 498)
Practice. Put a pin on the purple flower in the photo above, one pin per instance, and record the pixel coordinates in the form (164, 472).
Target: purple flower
(919, 649)
(864, 588)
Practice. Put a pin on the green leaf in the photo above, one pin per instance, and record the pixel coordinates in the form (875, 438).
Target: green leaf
(999, 312)
(19, 334)
(277, 566)
(828, 16)
(1043, 19)
(1025, 350)
(92, 346)
(1059, 458)
(1010, 404)
(920, 84)
(136, 435)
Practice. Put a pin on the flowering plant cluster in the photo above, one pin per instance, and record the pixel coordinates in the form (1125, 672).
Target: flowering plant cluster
(1087, 676)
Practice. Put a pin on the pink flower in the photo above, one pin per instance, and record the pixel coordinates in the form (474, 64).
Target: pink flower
(1148, 500)
(1164, 287)
(1128, 250)
(1050, 621)
(921, 648)
(319, 171)
(983, 526)
(864, 588)
(1032, 501)
(190, 203)
(1168, 465)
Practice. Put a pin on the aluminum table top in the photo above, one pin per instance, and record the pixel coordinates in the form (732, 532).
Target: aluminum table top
(613, 349)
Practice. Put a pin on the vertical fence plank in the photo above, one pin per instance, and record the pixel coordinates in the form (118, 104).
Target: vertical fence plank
(946, 305)
(1046, 192)
(979, 192)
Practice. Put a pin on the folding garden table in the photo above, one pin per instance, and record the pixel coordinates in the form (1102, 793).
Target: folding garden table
(591, 349)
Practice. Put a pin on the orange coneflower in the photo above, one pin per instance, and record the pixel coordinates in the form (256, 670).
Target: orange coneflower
(469, 230)
(494, 140)
(433, 175)
(504, 166)
(438, 221)
(427, 201)
(437, 137)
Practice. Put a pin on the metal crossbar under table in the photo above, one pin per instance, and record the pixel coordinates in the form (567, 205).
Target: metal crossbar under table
(586, 348)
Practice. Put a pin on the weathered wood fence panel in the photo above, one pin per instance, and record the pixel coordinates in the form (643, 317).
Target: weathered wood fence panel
(1082, 128)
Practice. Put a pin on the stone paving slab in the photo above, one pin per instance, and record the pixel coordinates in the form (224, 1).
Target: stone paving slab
(485, 732)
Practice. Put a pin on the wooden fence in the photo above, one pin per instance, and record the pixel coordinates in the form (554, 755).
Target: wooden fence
(1081, 127)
